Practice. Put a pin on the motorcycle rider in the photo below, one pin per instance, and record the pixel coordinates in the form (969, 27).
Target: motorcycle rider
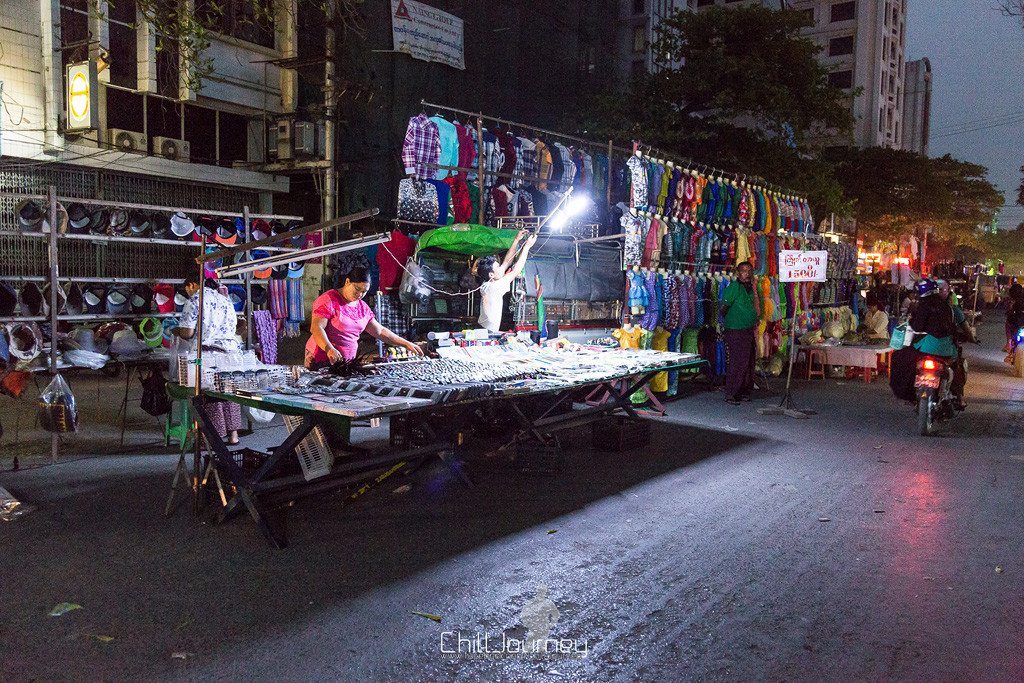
(934, 326)
(963, 332)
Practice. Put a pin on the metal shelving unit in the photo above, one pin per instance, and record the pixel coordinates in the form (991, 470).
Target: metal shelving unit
(54, 277)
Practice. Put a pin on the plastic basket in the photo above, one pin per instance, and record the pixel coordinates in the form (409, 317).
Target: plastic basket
(315, 457)
(536, 457)
(620, 433)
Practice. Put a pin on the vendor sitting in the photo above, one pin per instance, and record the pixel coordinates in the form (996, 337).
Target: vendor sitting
(339, 316)
(876, 322)
(496, 279)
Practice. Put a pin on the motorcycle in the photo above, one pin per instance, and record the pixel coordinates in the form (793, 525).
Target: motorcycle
(935, 401)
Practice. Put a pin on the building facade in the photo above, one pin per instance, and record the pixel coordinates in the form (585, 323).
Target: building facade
(147, 127)
(863, 46)
(917, 105)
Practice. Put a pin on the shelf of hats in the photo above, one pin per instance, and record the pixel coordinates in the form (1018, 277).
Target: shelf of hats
(686, 228)
(120, 280)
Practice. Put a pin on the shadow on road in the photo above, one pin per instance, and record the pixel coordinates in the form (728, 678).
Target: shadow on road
(166, 585)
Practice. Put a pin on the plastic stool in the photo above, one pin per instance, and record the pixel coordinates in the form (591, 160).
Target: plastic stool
(815, 356)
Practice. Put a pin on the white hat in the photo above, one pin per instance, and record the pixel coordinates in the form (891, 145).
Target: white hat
(127, 343)
(182, 225)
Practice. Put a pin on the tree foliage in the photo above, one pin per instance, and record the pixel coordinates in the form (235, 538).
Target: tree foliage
(739, 89)
(896, 193)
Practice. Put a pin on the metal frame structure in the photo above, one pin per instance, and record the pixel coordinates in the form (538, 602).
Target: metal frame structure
(261, 492)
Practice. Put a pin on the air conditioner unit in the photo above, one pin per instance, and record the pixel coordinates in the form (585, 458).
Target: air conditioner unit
(126, 140)
(284, 140)
(305, 138)
(170, 148)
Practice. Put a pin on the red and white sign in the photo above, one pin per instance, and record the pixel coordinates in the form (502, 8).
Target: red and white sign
(426, 33)
(802, 266)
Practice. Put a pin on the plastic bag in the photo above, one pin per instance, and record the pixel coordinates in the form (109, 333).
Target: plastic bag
(57, 409)
(899, 334)
(154, 394)
(415, 281)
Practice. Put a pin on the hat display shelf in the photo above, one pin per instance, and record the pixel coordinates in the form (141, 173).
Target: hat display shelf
(130, 212)
(73, 228)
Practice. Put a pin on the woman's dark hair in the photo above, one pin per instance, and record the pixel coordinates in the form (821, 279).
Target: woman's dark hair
(211, 283)
(484, 267)
(357, 274)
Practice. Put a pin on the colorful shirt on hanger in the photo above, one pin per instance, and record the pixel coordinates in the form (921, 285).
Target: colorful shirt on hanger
(421, 149)
(449, 139)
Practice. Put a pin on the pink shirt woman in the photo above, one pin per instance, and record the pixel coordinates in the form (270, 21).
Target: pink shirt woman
(339, 316)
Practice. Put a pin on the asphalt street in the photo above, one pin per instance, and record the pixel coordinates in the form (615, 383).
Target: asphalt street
(735, 547)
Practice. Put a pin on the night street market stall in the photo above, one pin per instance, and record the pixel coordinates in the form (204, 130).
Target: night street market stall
(533, 382)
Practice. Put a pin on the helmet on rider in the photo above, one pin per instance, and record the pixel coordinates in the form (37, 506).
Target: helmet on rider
(925, 287)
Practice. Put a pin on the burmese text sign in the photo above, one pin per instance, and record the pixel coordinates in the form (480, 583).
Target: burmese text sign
(802, 266)
(426, 33)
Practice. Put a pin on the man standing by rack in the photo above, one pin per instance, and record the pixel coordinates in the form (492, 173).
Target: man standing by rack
(740, 322)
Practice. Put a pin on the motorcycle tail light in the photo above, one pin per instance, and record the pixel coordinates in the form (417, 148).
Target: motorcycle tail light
(929, 364)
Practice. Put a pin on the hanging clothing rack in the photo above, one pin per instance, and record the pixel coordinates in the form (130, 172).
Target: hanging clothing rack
(687, 163)
(536, 129)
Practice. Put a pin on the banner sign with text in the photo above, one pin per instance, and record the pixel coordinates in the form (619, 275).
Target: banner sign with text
(802, 266)
(426, 33)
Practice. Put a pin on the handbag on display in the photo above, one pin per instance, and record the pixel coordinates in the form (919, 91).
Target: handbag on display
(417, 201)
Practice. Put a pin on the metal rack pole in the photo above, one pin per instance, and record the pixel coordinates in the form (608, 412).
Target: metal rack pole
(54, 284)
(248, 287)
(197, 460)
(480, 169)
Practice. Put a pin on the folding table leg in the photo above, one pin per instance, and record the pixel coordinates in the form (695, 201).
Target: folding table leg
(259, 514)
(180, 474)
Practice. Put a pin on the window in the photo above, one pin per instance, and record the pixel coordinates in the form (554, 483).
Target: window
(639, 6)
(124, 109)
(167, 68)
(236, 18)
(639, 39)
(74, 30)
(234, 138)
(881, 120)
(841, 79)
(201, 133)
(843, 11)
(840, 46)
(124, 58)
(705, 3)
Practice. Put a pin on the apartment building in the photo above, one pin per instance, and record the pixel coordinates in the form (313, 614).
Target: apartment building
(863, 46)
(917, 105)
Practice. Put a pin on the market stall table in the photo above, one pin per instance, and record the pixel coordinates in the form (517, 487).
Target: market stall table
(850, 355)
(332, 402)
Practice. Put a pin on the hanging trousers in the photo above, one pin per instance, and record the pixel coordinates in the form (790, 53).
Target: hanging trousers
(739, 370)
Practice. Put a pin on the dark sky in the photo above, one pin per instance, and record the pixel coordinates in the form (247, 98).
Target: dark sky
(977, 58)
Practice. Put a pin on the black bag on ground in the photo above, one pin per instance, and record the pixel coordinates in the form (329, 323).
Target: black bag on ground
(903, 372)
(154, 394)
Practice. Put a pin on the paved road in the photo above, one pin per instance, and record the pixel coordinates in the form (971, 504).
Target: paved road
(738, 547)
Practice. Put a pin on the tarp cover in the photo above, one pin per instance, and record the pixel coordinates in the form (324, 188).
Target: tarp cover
(469, 239)
(598, 277)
